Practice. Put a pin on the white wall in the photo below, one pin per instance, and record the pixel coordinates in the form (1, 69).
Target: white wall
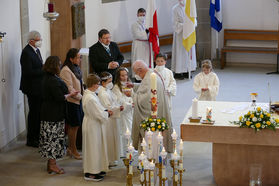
(250, 14)
(12, 121)
(118, 17)
(39, 23)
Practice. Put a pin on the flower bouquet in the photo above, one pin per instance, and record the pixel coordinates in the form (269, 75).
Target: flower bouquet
(258, 120)
(154, 124)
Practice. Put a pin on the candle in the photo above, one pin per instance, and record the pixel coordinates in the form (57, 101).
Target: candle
(164, 153)
(176, 176)
(164, 172)
(127, 134)
(143, 144)
(153, 85)
(130, 168)
(141, 176)
(50, 7)
(153, 79)
(181, 165)
(175, 156)
(152, 166)
(174, 135)
(195, 108)
(181, 145)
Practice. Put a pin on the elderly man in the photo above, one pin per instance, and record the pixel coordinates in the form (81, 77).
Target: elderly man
(105, 55)
(142, 107)
(30, 84)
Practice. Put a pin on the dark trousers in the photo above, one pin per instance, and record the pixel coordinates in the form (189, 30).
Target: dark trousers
(33, 129)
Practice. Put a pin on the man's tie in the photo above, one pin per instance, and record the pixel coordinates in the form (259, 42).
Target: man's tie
(108, 50)
(39, 54)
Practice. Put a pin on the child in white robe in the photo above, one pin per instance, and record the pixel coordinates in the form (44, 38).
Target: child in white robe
(206, 83)
(109, 101)
(166, 75)
(94, 140)
(124, 97)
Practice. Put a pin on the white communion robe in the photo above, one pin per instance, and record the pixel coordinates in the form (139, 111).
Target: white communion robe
(180, 57)
(142, 110)
(94, 140)
(108, 100)
(169, 83)
(140, 45)
(126, 116)
(210, 81)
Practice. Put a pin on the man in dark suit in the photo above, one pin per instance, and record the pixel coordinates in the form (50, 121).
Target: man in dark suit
(105, 55)
(30, 84)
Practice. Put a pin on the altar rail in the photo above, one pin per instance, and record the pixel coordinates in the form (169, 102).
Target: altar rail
(249, 35)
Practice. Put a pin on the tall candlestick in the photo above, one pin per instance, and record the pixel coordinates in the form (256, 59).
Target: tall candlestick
(195, 108)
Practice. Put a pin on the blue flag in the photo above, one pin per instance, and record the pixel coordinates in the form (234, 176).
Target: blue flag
(215, 15)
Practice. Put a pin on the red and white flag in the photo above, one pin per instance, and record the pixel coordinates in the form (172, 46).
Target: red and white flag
(152, 26)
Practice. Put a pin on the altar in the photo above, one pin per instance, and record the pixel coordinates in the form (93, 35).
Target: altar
(235, 151)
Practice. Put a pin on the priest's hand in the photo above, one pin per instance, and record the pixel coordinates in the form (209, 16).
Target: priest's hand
(110, 112)
(129, 85)
(204, 89)
(121, 108)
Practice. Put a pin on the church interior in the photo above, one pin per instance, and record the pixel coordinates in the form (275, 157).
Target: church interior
(240, 73)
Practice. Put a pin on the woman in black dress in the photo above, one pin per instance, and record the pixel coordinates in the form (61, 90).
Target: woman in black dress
(54, 93)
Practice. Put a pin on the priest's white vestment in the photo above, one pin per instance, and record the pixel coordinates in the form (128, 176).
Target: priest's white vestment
(142, 110)
(180, 57)
(108, 100)
(210, 81)
(94, 140)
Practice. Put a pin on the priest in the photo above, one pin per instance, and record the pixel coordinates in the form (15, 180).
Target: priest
(182, 61)
(142, 106)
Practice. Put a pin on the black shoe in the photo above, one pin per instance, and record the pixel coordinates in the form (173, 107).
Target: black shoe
(103, 173)
(93, 177)
(178, 76)
(186, 75)
(32, 144)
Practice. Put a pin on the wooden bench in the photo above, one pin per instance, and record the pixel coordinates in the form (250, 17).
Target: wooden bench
(127, 46)
(246, 35)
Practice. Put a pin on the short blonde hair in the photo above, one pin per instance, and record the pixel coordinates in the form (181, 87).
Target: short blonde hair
(207, 64)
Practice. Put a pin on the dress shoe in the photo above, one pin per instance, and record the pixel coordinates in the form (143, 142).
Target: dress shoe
(93, 177)
(32, 144)
(179, 76)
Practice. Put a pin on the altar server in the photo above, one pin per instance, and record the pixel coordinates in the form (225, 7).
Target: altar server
(94, 140)
(123, 95)
(182, 61)
(166, 75)
(140, 45)
(109, 101)
(206, 83)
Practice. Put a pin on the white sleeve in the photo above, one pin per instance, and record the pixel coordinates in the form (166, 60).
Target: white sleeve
(196, 86)
(96, 109)
(138, 33)
(177, 22)
(104, 99)
(172, 84)
(214, 88)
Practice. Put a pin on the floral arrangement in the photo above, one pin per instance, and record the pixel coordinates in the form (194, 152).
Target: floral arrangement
(154, 124)
(258, 120)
